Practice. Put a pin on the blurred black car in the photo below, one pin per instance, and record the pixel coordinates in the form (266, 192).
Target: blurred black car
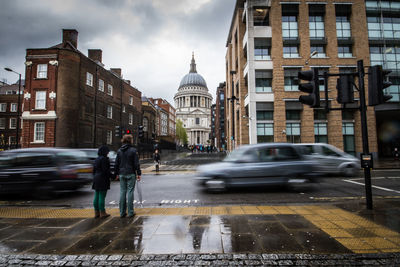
(257, 165)
(43, 170)
(91, 153)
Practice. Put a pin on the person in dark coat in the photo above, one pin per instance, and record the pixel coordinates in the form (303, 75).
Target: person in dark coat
(101, 182)
(127, 170)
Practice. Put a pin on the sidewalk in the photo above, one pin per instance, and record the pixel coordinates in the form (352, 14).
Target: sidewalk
(342, 234)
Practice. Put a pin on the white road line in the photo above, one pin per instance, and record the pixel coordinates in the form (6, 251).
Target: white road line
(374, 186)
(375, 178)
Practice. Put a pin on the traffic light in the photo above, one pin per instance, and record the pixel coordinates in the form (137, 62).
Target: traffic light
(117, 131)
(123, 131)
(345, 89)
(140, 131)
(128, 131)
(312, 87)
(376, 85)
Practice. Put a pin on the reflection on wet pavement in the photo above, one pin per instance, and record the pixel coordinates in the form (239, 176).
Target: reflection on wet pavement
(249, 230)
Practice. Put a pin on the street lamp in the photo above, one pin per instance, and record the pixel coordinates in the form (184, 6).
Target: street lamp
(232, 99)
(18, 106)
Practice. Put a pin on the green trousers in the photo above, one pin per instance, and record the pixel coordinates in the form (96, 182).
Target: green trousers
(99, 200)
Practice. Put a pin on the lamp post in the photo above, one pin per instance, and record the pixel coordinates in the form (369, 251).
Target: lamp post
(18, 106)
(232, 99)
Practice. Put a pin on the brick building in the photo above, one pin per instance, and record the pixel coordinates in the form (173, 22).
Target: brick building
(167, 118)
(150, 120)
(269, 42)
(71, 100)
(9, 114)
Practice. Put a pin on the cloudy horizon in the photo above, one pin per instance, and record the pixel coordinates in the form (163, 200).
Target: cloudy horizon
(151, 41)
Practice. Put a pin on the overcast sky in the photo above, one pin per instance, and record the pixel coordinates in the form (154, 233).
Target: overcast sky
(150, 40)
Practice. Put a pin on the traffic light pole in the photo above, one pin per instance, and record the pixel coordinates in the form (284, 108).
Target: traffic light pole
(364, 129)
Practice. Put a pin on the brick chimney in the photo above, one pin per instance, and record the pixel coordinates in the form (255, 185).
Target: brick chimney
(117, 71)
(70, 35)
(95, 54)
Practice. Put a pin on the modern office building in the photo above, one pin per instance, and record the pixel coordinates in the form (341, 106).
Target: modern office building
(72, 100)
(193, 106)
(269, 42)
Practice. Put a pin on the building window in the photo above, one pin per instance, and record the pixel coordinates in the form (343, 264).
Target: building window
(263, 81)
(292, 115)
(109, 112)
(12, 140)
(41, 71)
(289, 27)
(145, 124)
(110, 89)
(265, 132)
(321, 132)
(38, 135)
(343, 29)
(109, 137)
(390, 26)
(40, 100)
(290, 51)
(89, 79)
(131, 100)
(320, 49)
(345, 51)
(130, 119)
(197, 121)
(13, 107)
(123, 108)
(293, 132)
(320, 114)
(317, 27)
(2, 123)
(3, 107)
(13, 123)
(265, 115)
(101, 85)
(291, 81)
(348, 138)
(260, 17)
(262, 49)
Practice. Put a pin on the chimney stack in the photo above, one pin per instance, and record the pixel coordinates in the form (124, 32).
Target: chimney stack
(70, 35)
(117, 71)
(96, 55)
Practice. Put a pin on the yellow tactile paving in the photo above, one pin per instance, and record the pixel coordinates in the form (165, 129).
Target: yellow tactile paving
(203, 211)
(219, 211)
(334, 232)
(284, 210)
(325, 224)
(345, 224)
(235, 210)
(355, 244)
(338, 223)
(267, 210)
(173, 211)
(383, 232)
(188, 211)
(301, 210)
(380, 243)
(251, 210)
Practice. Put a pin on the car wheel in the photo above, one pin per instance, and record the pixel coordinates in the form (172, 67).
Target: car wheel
(349, 171)
(216, 185)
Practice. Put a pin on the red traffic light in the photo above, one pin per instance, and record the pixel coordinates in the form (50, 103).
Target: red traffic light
(128, 131)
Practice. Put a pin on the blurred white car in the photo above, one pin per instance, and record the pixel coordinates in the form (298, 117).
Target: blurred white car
(331, 160)
(257, 165)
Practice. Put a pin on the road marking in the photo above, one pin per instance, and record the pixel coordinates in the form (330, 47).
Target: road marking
(374, 186)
